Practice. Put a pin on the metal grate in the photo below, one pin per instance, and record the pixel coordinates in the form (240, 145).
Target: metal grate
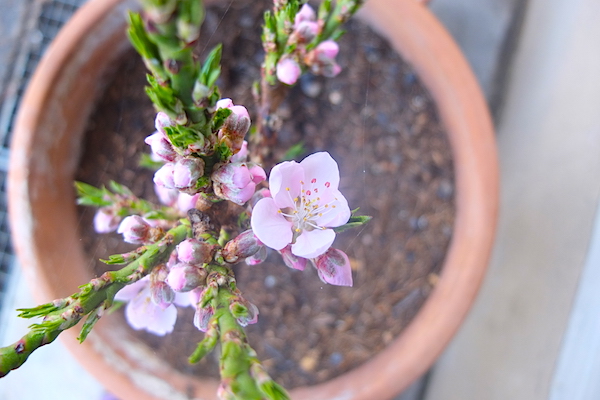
(51, 16)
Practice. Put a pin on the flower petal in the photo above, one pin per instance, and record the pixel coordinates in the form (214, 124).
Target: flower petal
(162, 321)
(130, 291)
(269, 226)
(311, 244)
(334, 268)
(338, 213)
(183, 299)
(323, 168)
(288, 174)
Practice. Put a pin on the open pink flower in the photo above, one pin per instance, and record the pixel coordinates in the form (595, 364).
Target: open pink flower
(305, 204)
(142, 313)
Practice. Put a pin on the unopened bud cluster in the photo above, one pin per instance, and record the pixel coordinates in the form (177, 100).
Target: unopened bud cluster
(320, 60)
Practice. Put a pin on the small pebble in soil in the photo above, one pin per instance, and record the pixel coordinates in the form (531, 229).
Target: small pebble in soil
(445, 190)
(336, 359)
(270, 281)
(310, 86)
(417, 103)
(335, 97)
(419, 223)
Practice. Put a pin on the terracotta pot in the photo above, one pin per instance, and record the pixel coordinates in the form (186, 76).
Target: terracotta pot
(44, 153)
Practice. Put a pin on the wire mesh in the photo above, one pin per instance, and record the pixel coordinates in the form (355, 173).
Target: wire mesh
(51, 16)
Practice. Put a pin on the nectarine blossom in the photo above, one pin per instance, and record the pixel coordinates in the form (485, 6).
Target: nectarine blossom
(304, 206)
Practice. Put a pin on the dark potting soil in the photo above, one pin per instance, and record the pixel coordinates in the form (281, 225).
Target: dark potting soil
(380, 124)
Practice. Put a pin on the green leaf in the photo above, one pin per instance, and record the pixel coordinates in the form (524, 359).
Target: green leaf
(273, 391)
(211, 69)
(139, 38)
(353, 222)
(220, 116)
(89, 195)
(182, 136)
(146, 161)
(294, 152)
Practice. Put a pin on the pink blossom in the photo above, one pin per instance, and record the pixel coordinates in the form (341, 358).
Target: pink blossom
(334, 267)
(241, 155)
(194, 251)
(237, 182)
(105, 220)
(306, 203)
(322, 59)
(259, 257)
(288, 71)
(306, 31)
(134, 229)
(185, 277)
(243, 245)
(161, 121)
(142, 313)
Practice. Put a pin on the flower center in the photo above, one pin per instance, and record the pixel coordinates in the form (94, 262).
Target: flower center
(308, 207)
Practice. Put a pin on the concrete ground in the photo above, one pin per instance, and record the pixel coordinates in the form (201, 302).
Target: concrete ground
(534, 331)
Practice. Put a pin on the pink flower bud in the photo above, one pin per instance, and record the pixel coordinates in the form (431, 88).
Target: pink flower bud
(243, 246)
(334, 267)
(306, 13)
(134, 229)
(194, 251)
(322, 59)
(105, 220)
(327, 50)
(161, 294)
(241, 155)
(202, 317)
(168, 197)
(224, 103)
(251, 315)
(161, 121)
(235, 127)
(164, 176)
(288, 71)
(186, 173)
(186, 202)
(292, 260)
(185, 277)
(306, 31)
(259, 257)
(161, 147)
(236, 182)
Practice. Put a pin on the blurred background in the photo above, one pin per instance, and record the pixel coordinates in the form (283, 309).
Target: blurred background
(534, 332)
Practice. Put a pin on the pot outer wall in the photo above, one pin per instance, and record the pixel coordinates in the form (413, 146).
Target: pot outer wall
(44, 155)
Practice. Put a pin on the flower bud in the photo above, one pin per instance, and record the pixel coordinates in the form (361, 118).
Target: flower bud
(105, 220)
(241, 155)
(161, 121)
(292, 260)
(134, 229)
(186, 202)
(164, 176)
(334, 267)
(288, 71)
(186, 173)
(236, 182)
(250, 316)
(306, 13)
(259, 257)
(243, 246)
(161, 147)
(236, 125)
(202, 317)
(194, 251)
(306, 31)
(168, 197)
(185, 277)
(322, 59)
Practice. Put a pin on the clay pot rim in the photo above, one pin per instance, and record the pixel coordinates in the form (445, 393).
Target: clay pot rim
(420, 39)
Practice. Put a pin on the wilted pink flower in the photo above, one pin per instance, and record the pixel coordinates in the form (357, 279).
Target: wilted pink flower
(161, 146)
(237, 182)
(164, 176)
(306, 202)
(142, 313)
(334, 267)
(105, 220)
(291, 260)
(134, 229)
(186, 173)
(288, 71)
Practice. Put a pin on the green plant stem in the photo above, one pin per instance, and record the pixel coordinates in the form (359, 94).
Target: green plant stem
(66, 313)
